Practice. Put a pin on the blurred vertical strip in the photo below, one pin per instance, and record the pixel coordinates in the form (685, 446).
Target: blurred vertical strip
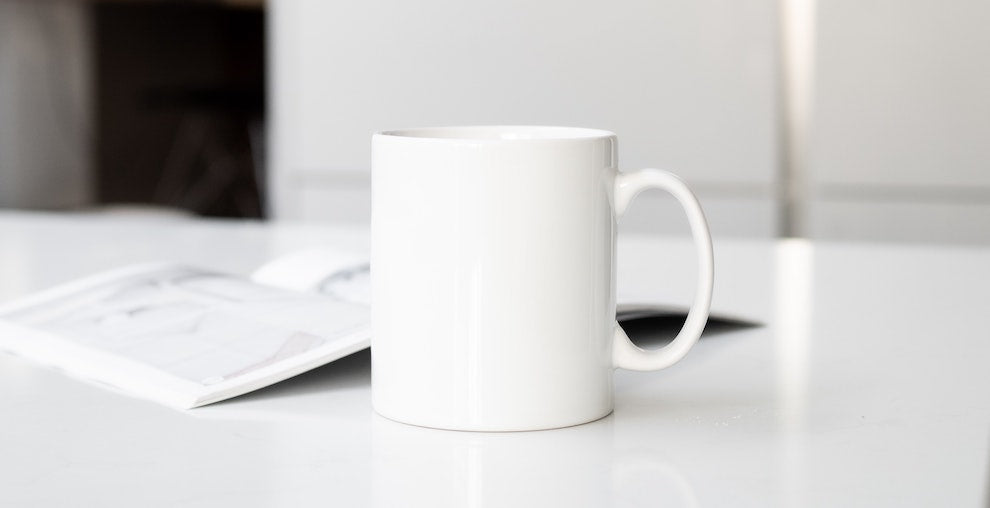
(797, 66)
(46, 109)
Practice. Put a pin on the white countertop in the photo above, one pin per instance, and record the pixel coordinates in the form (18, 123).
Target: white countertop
(869, 385)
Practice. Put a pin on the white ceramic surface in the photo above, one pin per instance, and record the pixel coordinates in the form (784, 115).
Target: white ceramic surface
(493, 293)
(868, 386)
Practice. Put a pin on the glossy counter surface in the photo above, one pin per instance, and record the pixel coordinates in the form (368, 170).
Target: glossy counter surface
(868, 385)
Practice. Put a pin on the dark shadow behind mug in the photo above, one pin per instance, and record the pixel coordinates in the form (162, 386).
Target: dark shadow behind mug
(652, 326)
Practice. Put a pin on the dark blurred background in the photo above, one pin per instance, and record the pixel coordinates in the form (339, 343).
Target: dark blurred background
(180, 106)
(140, 105)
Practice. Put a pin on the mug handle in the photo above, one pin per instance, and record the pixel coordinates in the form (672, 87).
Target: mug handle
(625, 354)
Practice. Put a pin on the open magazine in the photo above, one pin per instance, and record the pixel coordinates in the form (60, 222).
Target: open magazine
(187, 337)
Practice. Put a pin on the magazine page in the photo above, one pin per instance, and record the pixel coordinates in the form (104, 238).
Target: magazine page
(328, 271)
(179, 335)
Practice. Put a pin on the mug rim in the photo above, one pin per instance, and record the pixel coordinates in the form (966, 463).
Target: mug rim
(496, 133)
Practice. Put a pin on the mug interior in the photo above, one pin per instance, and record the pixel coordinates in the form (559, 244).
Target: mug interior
(500, 132)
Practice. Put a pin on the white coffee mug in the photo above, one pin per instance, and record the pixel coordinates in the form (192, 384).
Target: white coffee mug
(493, 276)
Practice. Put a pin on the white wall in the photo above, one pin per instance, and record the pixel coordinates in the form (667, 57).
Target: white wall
(45, 104)
(901, 137)
(899, 134)
(687, 86)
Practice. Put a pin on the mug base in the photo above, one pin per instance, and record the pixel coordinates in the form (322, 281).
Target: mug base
(493, 428)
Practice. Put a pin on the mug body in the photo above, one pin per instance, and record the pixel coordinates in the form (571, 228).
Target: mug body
(493, 294)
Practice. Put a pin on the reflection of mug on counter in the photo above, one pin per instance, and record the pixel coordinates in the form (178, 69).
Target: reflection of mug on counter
(572, 467)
